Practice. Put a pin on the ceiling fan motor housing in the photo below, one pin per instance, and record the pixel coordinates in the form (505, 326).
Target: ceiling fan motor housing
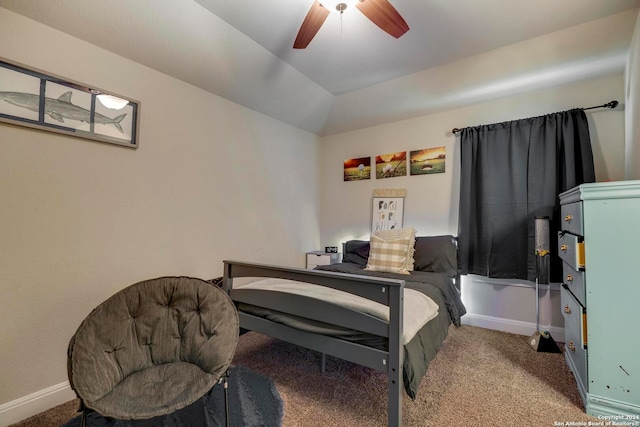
(339, 6)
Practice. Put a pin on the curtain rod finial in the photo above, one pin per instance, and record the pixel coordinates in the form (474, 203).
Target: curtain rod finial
(612, 104)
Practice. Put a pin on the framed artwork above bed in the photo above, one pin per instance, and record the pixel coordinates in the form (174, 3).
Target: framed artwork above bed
(387, 213)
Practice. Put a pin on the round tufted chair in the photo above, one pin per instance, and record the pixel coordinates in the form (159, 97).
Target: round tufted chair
(152, 348)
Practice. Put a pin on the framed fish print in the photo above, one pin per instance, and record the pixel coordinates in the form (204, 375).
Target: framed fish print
(35, 99)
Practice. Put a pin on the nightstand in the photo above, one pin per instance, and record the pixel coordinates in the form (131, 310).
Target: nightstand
(316, 258)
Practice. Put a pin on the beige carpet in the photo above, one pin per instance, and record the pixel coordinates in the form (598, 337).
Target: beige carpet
(479, 378)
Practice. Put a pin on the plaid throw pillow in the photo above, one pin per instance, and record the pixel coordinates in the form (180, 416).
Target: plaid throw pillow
(402, 233)
(388, 255)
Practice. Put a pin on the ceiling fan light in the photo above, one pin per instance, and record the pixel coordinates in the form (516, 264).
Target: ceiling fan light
(339, 6)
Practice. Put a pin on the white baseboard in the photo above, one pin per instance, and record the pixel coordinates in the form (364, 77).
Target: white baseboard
(509, 325)
(34, 403)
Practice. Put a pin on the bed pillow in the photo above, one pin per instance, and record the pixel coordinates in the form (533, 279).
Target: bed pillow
(402, 233)
(437, 254)
(356, 252)
(388, 255)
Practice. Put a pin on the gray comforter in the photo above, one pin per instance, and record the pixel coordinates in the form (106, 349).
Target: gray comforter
(423, 347)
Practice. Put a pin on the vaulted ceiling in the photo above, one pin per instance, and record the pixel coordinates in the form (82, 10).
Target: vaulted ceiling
(352, 74)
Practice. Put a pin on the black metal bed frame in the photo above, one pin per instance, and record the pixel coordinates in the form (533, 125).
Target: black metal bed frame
(385, 291)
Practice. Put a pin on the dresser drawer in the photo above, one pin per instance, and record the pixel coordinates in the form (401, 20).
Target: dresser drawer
(574, 279)
(572, 218)
(573, 334)
(571, 250)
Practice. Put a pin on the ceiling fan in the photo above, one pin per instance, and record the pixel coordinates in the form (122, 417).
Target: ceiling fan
(380, 12)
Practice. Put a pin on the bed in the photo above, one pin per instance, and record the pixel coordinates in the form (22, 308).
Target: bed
(266, 305)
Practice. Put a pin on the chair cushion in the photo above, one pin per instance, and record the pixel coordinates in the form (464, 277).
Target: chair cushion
(146, 393)
(171, 331)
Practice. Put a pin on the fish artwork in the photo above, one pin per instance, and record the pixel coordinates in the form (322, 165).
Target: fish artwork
(60, 108)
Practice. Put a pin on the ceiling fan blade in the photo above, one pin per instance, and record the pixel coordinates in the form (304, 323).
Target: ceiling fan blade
(384, 15)
(311, 24)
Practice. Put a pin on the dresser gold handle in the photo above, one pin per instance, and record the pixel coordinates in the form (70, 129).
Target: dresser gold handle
(568, 218)
(564, 248)
(569, 277)
(571, 346)
(567, 309)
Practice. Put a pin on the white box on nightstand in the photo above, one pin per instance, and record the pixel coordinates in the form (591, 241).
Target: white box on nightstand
(317, 258)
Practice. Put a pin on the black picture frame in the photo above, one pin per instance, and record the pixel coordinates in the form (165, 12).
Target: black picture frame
(38, 100)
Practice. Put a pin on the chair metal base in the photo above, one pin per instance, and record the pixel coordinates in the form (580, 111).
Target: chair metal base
(226, 398)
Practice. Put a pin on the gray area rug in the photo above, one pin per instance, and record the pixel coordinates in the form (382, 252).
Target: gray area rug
(254, 401)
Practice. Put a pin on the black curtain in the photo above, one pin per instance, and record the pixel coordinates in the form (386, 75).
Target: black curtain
(512, 172)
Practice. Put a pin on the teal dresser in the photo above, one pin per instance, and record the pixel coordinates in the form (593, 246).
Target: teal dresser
(600, 296)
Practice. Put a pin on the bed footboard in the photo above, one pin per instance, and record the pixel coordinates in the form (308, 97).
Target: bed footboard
(385, 291)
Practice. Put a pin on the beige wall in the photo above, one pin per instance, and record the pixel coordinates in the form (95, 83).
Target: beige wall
(431, 205)
(81, 220)
(432, 201)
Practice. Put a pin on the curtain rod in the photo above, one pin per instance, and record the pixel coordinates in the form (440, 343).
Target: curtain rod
(610, 104)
